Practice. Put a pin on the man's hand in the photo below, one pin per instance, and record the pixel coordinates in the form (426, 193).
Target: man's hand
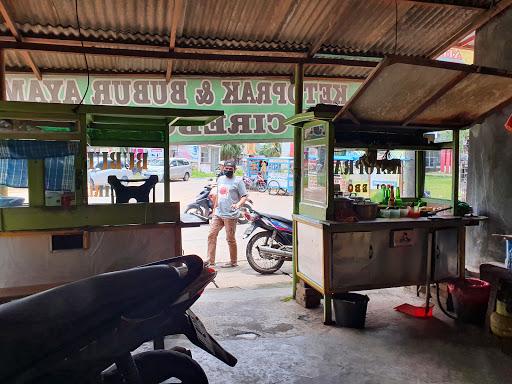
(235, 206)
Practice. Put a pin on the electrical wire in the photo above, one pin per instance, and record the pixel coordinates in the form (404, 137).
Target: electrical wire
(85, 57)
(441, 306)
(396, 26)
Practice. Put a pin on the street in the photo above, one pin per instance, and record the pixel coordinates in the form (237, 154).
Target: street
(195, 239)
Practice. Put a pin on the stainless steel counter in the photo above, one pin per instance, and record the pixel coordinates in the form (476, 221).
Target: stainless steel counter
(341, 257)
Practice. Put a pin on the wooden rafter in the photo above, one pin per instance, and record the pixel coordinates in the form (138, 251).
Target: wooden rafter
(458, 5)
(9, 21)
(175, 55)
(478, 21)
(177, 15)
(162, 48)
(432, 99)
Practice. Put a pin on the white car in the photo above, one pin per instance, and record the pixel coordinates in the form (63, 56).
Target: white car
(180, 169)
(99, 176)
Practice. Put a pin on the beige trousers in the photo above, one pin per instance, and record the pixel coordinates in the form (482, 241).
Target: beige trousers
(216, 225)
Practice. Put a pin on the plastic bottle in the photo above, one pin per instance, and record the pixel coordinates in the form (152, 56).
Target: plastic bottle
(398, 200)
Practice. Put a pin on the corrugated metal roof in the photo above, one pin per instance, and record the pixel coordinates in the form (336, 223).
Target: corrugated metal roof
(430, 94)
(292, 26)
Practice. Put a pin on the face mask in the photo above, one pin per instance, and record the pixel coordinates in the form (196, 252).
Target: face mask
(228, 174)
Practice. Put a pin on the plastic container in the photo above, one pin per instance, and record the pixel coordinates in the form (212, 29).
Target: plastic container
(501, 325)
(394, 213)
(385, 213)
(501, 308)
(350, 309)
(470, 297)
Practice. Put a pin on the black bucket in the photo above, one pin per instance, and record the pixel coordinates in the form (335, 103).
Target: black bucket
(350, 309)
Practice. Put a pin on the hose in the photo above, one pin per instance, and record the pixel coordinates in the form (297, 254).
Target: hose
(440, 305)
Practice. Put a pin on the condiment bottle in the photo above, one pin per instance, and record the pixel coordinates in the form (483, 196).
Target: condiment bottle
(398, 200)
(391, 201)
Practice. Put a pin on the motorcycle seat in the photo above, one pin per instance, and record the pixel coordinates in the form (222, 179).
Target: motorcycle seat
(279, 218)
(37, 326)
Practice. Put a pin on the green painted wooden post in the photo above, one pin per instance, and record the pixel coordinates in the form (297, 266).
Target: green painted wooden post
(82, 193)
(167, 186)
(455, 170)
(297, 150)
(4, 191)
(36, 195)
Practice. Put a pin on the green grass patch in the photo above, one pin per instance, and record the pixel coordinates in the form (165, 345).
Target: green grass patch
(439, 186)
(200, 174)
(287, 299)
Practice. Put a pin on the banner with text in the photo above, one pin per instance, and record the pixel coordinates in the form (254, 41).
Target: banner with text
(255, 110)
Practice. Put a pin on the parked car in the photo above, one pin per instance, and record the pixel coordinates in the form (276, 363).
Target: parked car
(180, 169)
(99, 176)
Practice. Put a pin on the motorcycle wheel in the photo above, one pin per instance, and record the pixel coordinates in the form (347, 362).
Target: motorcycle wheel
(156, 367)
(196, 211)
(259, 264)
(242, 219)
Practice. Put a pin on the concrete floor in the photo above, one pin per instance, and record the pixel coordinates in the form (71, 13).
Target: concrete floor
(277, 341)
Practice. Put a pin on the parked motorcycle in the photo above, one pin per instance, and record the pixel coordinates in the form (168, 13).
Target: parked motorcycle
(267, 250)
(202, 206)
(83, 332)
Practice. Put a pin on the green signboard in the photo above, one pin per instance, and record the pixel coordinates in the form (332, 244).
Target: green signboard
(255, 110)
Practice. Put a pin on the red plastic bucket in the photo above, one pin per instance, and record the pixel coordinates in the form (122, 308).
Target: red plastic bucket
(470, 297)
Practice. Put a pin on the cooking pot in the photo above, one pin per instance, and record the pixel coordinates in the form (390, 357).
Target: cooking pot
(366, 210)
(343, 208)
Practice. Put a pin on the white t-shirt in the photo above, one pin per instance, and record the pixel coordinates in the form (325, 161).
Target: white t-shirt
(229, 192)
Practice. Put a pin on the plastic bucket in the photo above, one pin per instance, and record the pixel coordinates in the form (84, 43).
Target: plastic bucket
(470, 297)
(350, 309)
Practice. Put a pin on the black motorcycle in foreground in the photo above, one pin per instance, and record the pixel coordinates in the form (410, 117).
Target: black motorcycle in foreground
(83, 332)
(267, 250)
(202, 206)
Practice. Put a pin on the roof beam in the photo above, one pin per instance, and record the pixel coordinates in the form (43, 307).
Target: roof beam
(177, 15)
(478, 21)
(159, 54)
(104, 44)
(445, 5)
(9, 21)
(432, 99)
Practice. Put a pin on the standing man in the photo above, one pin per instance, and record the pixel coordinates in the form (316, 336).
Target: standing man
(230, 196)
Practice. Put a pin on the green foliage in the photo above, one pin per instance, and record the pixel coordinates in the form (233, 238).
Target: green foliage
(231, 151)
(271, 150)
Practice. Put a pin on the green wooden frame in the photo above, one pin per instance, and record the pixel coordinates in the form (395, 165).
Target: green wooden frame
(97, 126)
(309, 208)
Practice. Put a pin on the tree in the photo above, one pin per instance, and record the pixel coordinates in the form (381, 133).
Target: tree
(271, 150)
(231, 151)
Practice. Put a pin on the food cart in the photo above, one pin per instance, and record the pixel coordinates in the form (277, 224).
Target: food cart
(399, 107)
(58, 237)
